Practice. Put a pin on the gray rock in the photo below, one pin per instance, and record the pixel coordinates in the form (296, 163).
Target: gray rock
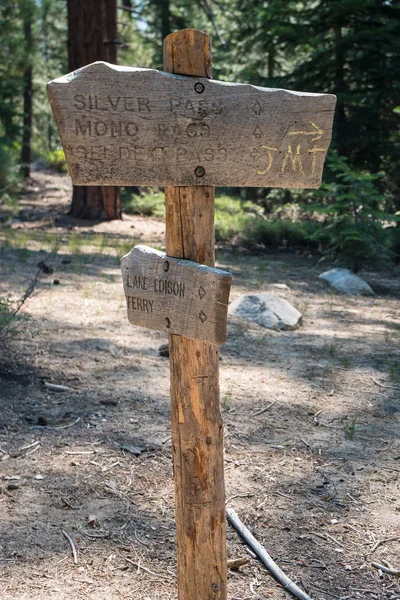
(347, 282)
(280, 286)
(267, 310)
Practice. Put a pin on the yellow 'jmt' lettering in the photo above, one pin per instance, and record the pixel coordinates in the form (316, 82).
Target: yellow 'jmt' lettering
(270, 158)
(295, 154)
(294, 158)
(314, 151)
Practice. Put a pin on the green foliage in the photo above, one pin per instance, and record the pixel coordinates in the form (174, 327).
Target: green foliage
(9, 172)
(354, 218)
(286, 233)
(11, 72)
(51, 42)
(230, 219)
(56, 159)
(392, 235)
(350, 428)
(10, 320)
(151, 204)
(243, 221)
(344, 47)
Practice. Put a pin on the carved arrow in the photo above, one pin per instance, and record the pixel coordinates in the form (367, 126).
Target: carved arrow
(317, 130)
(202, 316)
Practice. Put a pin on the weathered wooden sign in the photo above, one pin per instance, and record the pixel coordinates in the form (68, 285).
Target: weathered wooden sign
(176, 295)
(131, 126)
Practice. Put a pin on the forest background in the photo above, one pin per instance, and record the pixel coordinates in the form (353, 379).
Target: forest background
(347, 47)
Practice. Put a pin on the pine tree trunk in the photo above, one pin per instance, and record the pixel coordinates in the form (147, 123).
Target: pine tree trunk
(165, 18)
(340, 88)
(92, 35)
(163, 12)
(27, 93)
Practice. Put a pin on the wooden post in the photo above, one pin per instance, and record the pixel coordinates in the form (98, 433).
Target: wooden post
(197, 434)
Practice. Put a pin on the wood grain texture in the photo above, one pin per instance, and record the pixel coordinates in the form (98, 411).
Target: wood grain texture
(196, 62)
(131, 126)
(197, 434)
(176, 295)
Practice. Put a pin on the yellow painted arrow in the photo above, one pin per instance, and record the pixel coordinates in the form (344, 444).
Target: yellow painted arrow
(317, 130)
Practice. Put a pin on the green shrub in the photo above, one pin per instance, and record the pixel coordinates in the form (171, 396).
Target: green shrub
(228, 205)
(230, 218)
(9, 206)
(393, 239)
(9, 318)
(235, 218)
(56, 160)
(281, 233)
(146, 205)
(352, 206)
(9, 172)
(228, 226)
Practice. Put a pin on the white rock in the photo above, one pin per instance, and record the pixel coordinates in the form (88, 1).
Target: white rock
(280, 286)
(347, 282)
(266, 310)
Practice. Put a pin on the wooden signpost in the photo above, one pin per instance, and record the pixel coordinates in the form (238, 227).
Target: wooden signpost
(129, 126)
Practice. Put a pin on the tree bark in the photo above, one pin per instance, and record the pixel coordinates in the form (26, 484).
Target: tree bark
(92, 35)
(26, 150)
(165, 18)
(340, 89)
(197, 434)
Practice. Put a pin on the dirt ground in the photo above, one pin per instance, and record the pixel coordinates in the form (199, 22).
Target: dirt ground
(315, 476)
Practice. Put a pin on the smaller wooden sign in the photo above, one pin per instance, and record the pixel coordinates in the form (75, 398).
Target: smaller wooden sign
(176, 295)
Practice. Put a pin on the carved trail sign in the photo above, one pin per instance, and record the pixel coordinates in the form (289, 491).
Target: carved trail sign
(176, 295)
(131, 126)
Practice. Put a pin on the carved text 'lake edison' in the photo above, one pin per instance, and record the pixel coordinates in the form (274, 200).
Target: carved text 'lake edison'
(176, 295)
(131, 126)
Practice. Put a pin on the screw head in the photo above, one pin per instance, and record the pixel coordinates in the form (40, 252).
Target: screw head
(199, 171)
(199, 87)
(215, 587)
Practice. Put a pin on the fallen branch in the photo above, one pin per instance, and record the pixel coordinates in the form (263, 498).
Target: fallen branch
(53, 387)
(382, 385)
(50, 428)
(235, 563)
(71, 543)
(29, 446)
(386, 569)
(263, 410)
(239, 496)
(390, 469)
(33, 450)
(334, 540)
(391, 539)
(66, 426)
(139, 566)
(263, 555)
